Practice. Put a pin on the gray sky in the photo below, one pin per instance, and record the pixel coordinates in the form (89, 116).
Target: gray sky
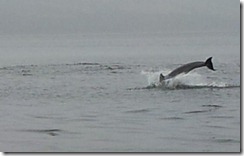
(117, 16)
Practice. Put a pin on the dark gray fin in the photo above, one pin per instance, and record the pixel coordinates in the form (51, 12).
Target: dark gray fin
(209, 63)
(161, 78)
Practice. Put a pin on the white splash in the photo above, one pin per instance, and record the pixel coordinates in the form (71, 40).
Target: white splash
(192, 79)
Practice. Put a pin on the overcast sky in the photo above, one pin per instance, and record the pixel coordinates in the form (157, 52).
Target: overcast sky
(117, 16)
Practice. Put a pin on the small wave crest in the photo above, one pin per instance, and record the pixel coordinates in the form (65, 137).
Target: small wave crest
(191, 80)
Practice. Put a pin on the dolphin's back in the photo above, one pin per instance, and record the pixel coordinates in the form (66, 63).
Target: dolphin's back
(186, 68)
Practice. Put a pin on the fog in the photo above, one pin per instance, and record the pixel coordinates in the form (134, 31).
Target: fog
(117, 16)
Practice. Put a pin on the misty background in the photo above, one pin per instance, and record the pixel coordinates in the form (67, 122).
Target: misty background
(118, 16)
(64, 31)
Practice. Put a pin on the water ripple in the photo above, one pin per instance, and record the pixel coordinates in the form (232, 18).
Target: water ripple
(214, 106)
(200, 111)
(51, 132)
(226, 141)
(138, 111)
(172, 118)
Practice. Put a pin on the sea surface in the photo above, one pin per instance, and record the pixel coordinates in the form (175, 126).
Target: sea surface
(100, 93)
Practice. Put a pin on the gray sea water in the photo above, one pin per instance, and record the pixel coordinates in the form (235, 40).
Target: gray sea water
(100, 93)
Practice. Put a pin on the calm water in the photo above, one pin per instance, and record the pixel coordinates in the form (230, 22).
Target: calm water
(99, 93)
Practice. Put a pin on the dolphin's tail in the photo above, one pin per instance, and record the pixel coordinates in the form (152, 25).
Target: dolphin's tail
(209, 63)
(161, 78)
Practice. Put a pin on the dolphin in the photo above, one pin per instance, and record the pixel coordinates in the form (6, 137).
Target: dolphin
(187, 68)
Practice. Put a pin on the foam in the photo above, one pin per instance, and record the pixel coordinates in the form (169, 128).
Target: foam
(182, 81)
